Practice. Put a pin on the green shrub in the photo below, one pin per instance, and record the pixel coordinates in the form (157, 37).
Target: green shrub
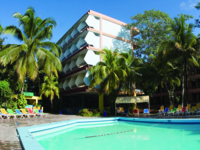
(89, 113)
(21, 101)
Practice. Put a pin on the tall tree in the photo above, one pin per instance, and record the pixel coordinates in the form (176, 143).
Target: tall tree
(108, 74)
(197, 21)
(152, 26)
(50, 88)
(181, 46)
(1, 40)
(36, 52)
(131, 66)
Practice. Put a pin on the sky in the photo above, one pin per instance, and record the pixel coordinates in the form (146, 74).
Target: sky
(68, 12)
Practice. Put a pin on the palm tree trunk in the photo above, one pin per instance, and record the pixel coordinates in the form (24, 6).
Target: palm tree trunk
(22, 89)
(132, 47)
(186, 84)
(161, 102)
(182, 90)
(51, 105)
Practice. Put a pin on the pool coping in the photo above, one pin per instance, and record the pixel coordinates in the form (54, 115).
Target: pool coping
(28, 142)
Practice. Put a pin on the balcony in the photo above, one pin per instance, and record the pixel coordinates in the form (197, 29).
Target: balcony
(76, 50)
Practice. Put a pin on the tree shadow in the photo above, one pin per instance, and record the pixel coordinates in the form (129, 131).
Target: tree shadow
(122, 46)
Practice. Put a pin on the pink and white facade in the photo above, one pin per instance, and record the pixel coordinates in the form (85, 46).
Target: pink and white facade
(91, 33)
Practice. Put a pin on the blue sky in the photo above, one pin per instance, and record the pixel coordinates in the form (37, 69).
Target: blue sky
(67, 12)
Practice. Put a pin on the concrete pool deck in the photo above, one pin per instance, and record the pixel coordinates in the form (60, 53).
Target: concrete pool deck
(8, 134)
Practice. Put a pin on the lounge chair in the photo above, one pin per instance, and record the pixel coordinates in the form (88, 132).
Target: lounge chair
(12, 113)
(3, 116)
(182, 111)
(198, 108)
(24, 112)
(172, 112)
(18, 112)
(37, 112)
(30, 112)
(136, 112)
(191, 111)
(161, 110)
(165, 111)
(171, 108)
(125, 112)
(4, 113)
(146, 111)
(188, 107)
(67, 111)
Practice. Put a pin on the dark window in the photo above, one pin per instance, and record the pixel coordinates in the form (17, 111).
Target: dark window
(194, 97)
(198, 83)
(194, 84)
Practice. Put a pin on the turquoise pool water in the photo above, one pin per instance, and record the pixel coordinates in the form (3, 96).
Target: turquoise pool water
(121, 135)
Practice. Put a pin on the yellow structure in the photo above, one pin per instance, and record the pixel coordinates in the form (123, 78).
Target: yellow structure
(31, 99)
(132, 99)
(101, 103)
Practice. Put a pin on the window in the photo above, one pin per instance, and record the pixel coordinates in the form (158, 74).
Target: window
(194, 97)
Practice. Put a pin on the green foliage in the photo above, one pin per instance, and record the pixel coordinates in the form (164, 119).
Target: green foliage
(36, 52)
(197, 21)
(89, 113)
(109, 72)
(5, 94)
(180, 49)
(152, 26)
(21, 101)
(1, 40)
(50, 87)
(9, 74)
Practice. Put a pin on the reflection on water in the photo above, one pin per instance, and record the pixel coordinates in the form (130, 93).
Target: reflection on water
(122, 135)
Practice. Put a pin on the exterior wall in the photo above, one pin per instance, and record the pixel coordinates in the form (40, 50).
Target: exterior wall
(113, 43)
(93, 22)
(91, 33)
(115, 29)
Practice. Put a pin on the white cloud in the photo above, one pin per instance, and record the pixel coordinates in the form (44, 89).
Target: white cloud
(189, 4)
(182, 5)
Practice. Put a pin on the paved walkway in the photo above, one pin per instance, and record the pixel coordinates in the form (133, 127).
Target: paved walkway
(8, 134)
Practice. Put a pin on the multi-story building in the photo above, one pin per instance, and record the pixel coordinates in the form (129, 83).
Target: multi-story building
(91, 33)
(193, 92)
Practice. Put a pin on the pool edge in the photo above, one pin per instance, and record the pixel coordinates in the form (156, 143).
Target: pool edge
(28, 142)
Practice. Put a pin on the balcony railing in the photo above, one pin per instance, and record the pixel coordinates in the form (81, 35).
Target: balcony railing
(81, 84)
(84, 28)
(74, 86)
(82, 64)
(77, 34)
(69, 55)
(83, 45)
(65, 45)
(70, 40)
(74, 68)
(76, 50)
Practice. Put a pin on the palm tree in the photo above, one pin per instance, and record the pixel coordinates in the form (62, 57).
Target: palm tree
(1, 40)
(50, 88)
(36, 52)
(131, 66)
(108, 74)
(181, 46)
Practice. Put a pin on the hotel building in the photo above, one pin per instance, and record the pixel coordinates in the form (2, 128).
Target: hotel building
(193, 92)
(91, 33)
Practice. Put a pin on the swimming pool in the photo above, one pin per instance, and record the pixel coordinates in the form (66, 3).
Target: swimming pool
(114, 133)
